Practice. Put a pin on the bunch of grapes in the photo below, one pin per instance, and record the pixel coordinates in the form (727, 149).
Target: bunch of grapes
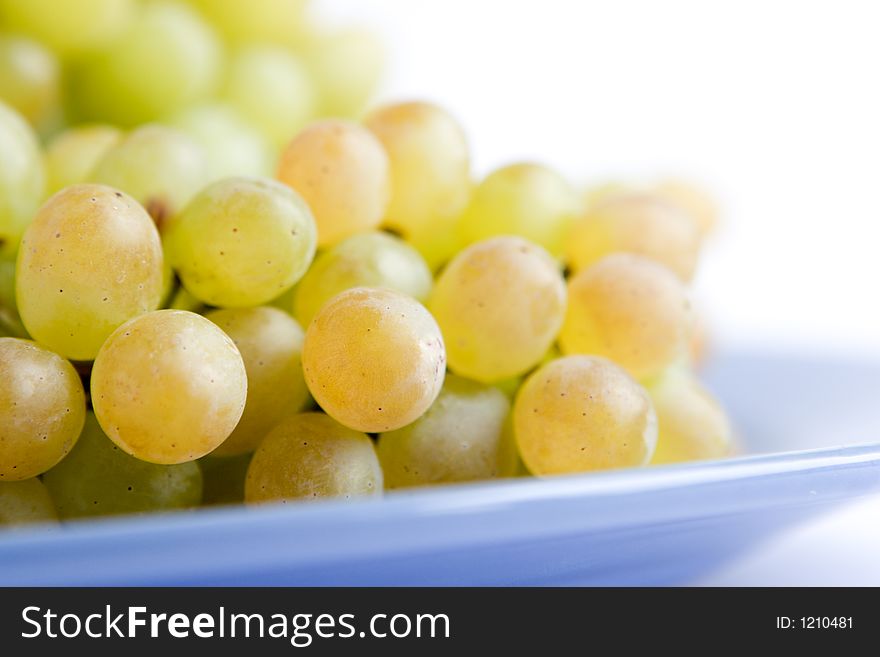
(221, 281)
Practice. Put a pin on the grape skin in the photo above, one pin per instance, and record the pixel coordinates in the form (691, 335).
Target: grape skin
(99, 479)
(241, 242)
(90, 260)
(30, 79)
(42, 409)
(270, 343)
(374, 359)
(22, 177)
(72, 155)
(168, 386)
(583, 413)
(311, 456)
(25, 502)
(500, 304)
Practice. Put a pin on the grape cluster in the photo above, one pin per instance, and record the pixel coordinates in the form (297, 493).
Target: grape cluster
(222, 281)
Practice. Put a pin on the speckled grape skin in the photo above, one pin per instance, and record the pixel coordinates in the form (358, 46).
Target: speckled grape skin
(42, 409)
(270, 342)
(311, 456)
(90, 260)
(25, 502)
(374, 359)
(500, 304)
(168, 386)
(629, 309)
(582, 413)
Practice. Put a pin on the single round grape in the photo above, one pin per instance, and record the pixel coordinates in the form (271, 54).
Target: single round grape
(310, 456)
(281, 22)
(692, 425)
(629, 309)
(168, 59)
(168, 386)
(42, 409)
(270, 343)
(271, 88)
(159, 166)
(365, 260)
(374, 359)
(342, 172)
(22, 177)
(72, 155)
(99, 479)
(224, 479)
(643, 224)
(232, 146)
(460, 438)
(29, 78)
(430, 165)
(528, 200)
(25, 502)
(68, 27)
(241, 242)
(500, 304)
(90, 260)
(696, 202)
(347, 67)
(583, 413)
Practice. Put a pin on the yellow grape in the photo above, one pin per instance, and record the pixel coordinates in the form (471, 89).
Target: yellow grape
(460, 438)
(270, 342)
(500, 303)
(241, 242)
(311, 456)
(698, 204)
(30, 79)
(629, 309)
(529, 200)
(644, 224)
(90, 260)
(72, 155)
(42, 409)
(372, 259)
(168, 386)
(22, 177)
(374, 359)
(282, 22)
(583, 413)
(341, 170)
(692, 425)
(25, 502)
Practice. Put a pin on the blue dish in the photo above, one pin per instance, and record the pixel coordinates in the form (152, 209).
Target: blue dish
(665, 525)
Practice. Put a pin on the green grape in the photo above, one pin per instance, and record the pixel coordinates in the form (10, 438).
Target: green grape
(168, 386)
(437, 242)
(374, 359)
(90, 260)
(583, 413)
(42, 409)
(10, 322)
(692, 425)
(500, 304)
(68, 26)
(270, 343)
(272, 89)
(241, 242)
(282, 22)
(22, 177)
(696, 202)
(159, 166)
(347, 68)
(72, 155)
(364, 260)
(309, 456)
(29, 78)
(168, 59)
(341, 170)
(460, 438)
(232, 146)
(224, 479)
(644, 224)
(629, 309)
(99, 479)
(430, 166)
(528, 200)
(25, 502)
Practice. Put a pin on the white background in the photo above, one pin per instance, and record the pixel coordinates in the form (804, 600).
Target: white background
(772, 104)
